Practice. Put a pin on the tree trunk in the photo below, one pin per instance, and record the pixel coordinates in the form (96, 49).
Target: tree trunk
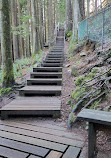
(69, 12)
(82, 10)
(8, 76)
(36, 45)
(21, 48)
(50, 22)
(14, 24)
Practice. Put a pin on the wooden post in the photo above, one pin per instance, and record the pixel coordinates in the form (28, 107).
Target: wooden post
(102, 29)
(95, 6)
(91, 140)
(88, 4)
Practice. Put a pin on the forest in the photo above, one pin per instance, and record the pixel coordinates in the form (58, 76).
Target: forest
(55, 60)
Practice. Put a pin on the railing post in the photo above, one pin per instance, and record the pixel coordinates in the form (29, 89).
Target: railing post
(102, 29)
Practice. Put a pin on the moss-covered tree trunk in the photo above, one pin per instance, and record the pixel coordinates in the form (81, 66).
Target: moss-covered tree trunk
(8, 76)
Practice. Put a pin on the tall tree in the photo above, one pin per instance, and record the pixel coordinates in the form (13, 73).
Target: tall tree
(14, 24)
(69, 15)
(78, 14)
(8, 76)
(36, 44)
(50, 21)
(20, 35)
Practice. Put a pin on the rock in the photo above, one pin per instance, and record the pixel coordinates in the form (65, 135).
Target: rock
(69, 70)
(83, 54)
(68, 65)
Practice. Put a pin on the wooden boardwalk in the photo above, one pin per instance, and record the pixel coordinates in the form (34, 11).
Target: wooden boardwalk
(32, 137)
(45, 82)
(29, 139)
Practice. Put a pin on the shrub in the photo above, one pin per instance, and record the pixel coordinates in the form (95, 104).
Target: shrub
(80, 80)
(74, 71)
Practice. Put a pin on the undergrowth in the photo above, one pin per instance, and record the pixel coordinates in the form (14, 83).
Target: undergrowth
(25, 64)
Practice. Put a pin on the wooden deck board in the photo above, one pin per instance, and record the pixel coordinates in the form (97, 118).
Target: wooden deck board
(54, 154)
(9, 153)
(44, 130)
(34, 141)
(44, 136)
(27, 148)
(72, 152)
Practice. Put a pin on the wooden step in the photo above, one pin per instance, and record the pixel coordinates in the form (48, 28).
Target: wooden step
(52, 64)
(55, 55)
(40, 91)
(44, 81)
(32, 106)
(47, 69)
(52, 61)
(56, 50)
(46, 74)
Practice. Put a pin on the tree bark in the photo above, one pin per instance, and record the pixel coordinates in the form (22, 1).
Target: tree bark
(8, 75)
(36, 45)
(69, 12)
(14, 24)
(21, 48)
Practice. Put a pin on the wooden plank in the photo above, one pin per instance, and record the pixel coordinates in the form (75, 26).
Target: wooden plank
(52, 64)
(23, 147)
(54, 132)
(44, 136)
(41, 90)
(95, 116)
(6, 152)
(47, 69)
(72, 152)
(32, 156)
(52, 61)
(44, 81)
(46, 74)
(54, 154)
(34, 102)
(34, 141)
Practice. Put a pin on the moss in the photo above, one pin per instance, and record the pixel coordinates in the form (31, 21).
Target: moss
(4, 91)
(95, 70)
(78, 93)
(74, 71)
(80, 80)
(90, 76)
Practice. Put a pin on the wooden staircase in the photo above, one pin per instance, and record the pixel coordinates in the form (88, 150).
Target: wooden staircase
(45, 82)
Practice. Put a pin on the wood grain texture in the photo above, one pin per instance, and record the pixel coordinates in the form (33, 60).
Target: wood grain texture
(54, 154)
(95, 116)
(72, 152)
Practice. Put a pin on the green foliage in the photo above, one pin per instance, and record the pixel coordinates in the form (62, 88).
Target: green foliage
(74, 71)
(61, 11)
(4, 91)
(26, 63)
(78, 93)
(95, 70)
(80, 80)
(90, 76)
